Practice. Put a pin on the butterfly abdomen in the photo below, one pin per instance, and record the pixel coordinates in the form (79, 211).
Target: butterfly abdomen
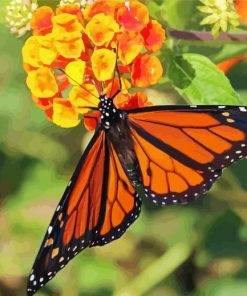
(119, 136)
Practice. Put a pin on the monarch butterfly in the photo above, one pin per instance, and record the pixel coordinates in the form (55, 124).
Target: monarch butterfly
(168, 154)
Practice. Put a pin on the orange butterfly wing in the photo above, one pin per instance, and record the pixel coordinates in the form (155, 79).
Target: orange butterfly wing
(182, 150)
(97, 207)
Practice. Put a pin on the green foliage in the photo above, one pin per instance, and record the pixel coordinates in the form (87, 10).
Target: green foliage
(191, 74)
(194, 250)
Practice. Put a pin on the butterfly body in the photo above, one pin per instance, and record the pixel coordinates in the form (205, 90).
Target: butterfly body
(167, 154)
(114, 121)
(109, 113)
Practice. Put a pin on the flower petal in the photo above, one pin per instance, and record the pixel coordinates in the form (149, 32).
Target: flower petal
(146, 70)
(41, 22)
(64, 114)
(30, 52)
(130, 45)
(84, 96)
(75, 71)
(103, 63)
(42, 82)
(153, 35)
(101, 6)
(39, 50)
(71, 9)
(70, 49)
(136, 100)
(101, 29)
(133, 15)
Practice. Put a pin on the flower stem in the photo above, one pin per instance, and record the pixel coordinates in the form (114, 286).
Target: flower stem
(207, 36)
(157, 271)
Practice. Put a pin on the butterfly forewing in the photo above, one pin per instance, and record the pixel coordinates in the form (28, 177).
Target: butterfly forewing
(98, 206)
(75, 223)
(181, 150)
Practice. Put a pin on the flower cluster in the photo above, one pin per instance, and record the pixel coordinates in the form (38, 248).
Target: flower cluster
(222, 15)
(74, 55)
(18, 15)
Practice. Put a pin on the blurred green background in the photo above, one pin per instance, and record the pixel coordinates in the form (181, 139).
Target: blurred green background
(196, 250)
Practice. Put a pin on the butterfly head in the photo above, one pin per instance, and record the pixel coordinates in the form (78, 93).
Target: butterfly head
(109, 113)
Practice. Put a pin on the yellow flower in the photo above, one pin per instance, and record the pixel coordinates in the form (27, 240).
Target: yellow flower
(222, 15)
(70, 50)
(42, 83)
(30, 52)
(67, 32)
(66, 26)
(64, 114)
(101, 29)
(47, 52)
(75, 71)
(103, 63)
(39, 50)
(84, 96)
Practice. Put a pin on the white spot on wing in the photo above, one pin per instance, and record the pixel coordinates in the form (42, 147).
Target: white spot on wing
(242, 109)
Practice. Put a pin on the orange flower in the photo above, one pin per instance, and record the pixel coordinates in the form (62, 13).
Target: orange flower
(101, 6)
(225, 66)
(133, 15)
(146, 70)
(136, 100)
(121, 100)
(41, 22)
(130, 45)
(71, 9)
(42, 83)
(64, 114)
(241, 7)
(153, 36)
(103, 64)
(101, 29)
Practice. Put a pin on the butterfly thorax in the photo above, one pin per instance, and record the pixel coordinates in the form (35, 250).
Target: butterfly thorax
(118, 134)
(109, 113)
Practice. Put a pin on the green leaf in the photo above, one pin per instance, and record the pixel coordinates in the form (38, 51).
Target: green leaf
(180, 14)
(223, 287)
(3, 5)
(199, 81)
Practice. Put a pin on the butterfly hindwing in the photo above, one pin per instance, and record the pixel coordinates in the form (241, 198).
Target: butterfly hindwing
(123, 205)
(182, 150)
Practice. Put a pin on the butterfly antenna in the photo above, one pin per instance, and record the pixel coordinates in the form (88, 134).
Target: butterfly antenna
(92, 94)
(119, 77)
